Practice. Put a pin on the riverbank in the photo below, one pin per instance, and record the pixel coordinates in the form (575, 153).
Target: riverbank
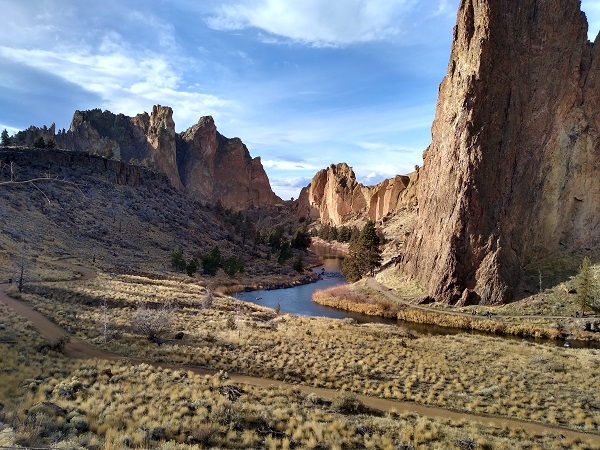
(319, 256)
(341, 247)
(372, 299)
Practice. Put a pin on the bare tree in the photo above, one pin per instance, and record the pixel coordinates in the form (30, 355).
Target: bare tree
(33, 181)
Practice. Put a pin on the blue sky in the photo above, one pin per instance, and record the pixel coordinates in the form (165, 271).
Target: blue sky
(303, 83)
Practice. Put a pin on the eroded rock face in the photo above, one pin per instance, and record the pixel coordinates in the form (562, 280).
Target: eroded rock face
(213, 166)
(336, 198)
(200, 161)
(512, 173)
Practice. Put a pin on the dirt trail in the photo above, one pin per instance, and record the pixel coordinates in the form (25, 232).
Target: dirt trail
(81, 350)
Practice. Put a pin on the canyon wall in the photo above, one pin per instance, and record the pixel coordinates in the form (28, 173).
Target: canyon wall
(199, 161)
(513, 171)
(335, 197)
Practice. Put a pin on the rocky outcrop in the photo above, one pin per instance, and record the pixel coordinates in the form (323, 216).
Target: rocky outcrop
(213, 166)
(200, 161)
(162, 142)
(513, 171)
(335, 197)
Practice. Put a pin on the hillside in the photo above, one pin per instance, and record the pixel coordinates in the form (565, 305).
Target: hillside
(121, 218)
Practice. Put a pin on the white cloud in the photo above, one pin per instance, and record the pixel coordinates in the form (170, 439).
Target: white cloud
(128, 83)
(315, 22)
(289, 165)
(287, 188)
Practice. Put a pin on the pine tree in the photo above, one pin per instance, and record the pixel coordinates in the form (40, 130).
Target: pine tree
(5, 138)
(364, 255)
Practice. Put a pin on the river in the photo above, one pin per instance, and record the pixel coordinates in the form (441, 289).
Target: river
(298, 300)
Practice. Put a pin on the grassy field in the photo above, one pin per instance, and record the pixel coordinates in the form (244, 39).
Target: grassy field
(470, 373)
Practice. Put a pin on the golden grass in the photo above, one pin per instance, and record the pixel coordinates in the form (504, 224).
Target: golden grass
(347, 299)
(471, 373)
(75, 405)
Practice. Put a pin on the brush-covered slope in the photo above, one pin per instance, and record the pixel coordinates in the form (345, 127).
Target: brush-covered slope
(125, 217)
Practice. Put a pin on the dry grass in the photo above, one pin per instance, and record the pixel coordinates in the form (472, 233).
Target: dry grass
(471, 373)
(78, 405)
(348, 299)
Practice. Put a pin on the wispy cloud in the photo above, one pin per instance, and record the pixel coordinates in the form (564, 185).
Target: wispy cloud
(126, 82)
(313, 22)
(289, 165)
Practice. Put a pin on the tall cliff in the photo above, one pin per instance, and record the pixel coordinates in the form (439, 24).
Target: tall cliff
(513, 170)
(335, 197)
(200, 160)
(213, 166)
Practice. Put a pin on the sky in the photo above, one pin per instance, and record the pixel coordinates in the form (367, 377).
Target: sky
(304, 84)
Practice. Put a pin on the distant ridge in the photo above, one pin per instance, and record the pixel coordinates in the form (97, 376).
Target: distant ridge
(200, 160)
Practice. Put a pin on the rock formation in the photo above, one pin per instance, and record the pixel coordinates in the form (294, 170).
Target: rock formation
(335, 197)
(200, 161)
(513, 171)
(213, 166)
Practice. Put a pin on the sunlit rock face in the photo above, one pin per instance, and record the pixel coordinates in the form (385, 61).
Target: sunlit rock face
(513, 171)
(335, 197)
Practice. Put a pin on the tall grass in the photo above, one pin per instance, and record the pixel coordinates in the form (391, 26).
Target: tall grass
(342, 297)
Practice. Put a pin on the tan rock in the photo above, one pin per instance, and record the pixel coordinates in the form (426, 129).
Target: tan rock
(335, 197)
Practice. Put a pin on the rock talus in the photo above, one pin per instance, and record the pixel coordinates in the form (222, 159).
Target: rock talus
(513, 171)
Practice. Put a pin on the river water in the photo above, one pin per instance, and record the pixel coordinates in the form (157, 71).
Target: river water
(298, 300)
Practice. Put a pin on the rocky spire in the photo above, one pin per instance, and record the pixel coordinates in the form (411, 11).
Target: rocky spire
(512, 173)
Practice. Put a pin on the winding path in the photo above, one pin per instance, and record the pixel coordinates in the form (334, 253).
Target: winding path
(79, 349)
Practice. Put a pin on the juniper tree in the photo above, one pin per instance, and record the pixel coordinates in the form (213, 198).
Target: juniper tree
(364, 255)
(586, 288)
(5, 138)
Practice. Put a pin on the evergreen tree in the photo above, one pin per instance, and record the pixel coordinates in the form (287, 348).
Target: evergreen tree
(285, 253)
(39, 142)
(301, 239)
(232, 265)
(192, 267)
(212, 261)
(364, 255)
(177, 260)
(369, 241)
(586, 288)
(5, 138)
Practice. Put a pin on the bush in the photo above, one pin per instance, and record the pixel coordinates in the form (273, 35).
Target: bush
(153, 323)
(347, 403)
